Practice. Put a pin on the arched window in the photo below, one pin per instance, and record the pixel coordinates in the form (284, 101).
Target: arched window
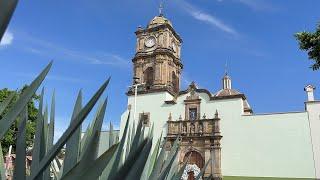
(175, 82)
(148, 77)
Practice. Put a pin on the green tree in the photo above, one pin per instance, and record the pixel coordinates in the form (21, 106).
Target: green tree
(310, 42)
(10, 137)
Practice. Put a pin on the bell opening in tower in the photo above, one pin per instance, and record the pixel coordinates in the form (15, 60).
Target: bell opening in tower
(149, 77)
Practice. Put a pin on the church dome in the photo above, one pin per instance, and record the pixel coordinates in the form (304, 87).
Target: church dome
(226, 92)
(159, 20)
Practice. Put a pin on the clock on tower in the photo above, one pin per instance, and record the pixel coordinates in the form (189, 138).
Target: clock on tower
(157, 62)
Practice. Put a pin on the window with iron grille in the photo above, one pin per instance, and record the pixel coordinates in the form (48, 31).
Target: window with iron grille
(145, 118)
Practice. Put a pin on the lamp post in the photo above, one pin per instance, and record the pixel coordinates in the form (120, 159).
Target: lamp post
(135, 85)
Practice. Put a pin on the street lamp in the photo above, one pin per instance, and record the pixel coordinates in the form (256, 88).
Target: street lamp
(135, 85)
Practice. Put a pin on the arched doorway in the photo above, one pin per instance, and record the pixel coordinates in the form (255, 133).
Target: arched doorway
(195, 164)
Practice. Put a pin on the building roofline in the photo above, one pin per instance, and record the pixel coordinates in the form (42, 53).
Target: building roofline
(275, 113)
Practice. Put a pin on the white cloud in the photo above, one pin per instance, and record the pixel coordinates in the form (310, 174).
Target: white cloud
(200, 15)
(52, 77)
(58, 52)
(257, 5)
(7, 39)
(111, 59)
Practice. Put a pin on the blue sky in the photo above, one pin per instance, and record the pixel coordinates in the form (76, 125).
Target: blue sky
(90, 40)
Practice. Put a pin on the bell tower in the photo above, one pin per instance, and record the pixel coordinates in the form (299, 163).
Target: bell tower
(157, 65)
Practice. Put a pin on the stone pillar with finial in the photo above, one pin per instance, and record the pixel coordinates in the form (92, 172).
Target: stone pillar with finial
(170, 117)
(216, 149)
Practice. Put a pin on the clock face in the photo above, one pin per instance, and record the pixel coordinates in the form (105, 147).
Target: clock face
(150, 42)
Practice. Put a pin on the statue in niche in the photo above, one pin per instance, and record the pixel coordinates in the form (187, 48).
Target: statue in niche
(200, 128)
(192, 129)
(184, 128)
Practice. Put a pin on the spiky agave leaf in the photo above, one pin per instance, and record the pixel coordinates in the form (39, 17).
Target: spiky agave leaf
(2, 169)
(50, 133)
(150, 133)
(162, 166)
(73, 144)
(44, 142)
(174, 167)
(51, 124)
(93, 169)
(203, 170)
(114, 163)
(138, 155)
(178, 175)
(152, 158)
(16, 109)
(7, 8)
(36, 150)
(90, 133)
(111, 137)
(4, 104)
(128, 144)
(83, 140)
(156, 170)
(91, 152)
(133, 132)
(168, 164)
(138, 136)
(169, 159)
(20, 161)
(70, 130)
(134, 165)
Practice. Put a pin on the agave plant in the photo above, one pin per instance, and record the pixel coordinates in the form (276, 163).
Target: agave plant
(7, 8)
(130, 158)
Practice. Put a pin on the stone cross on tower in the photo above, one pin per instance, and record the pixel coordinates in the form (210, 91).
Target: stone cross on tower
(161, 9)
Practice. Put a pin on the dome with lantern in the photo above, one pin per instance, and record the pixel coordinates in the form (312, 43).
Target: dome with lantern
(159, 20)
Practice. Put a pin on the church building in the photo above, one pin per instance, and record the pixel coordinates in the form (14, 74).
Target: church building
(218, 126)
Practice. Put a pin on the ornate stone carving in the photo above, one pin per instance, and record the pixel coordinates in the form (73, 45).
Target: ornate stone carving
(202, 136)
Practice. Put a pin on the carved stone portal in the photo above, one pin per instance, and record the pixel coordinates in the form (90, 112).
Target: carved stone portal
(200, 139)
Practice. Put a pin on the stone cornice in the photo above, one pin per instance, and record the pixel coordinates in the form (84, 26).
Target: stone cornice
(158, 51)
(190, 121)
(211, 96)
(157, 28)
(164, 89)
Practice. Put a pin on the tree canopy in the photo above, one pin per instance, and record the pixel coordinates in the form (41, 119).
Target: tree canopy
(10, 137)
(310, 42)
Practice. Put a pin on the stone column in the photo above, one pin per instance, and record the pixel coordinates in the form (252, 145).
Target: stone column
(216, 149)
(208, 155)
(216, 160)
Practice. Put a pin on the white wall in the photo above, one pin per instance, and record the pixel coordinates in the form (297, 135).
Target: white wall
(313, 108)
(276, 145)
